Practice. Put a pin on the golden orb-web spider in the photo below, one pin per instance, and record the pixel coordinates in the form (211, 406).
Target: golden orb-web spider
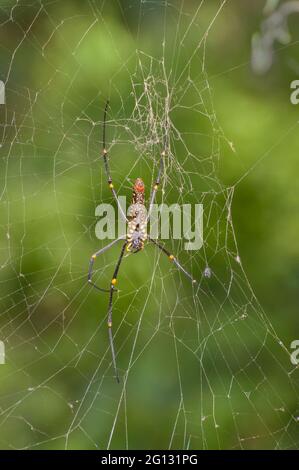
(136, 233)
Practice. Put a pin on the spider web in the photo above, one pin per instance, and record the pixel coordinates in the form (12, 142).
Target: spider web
(201, 367)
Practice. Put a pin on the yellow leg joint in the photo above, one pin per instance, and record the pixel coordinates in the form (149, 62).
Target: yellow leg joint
(111, 186)
(171, 257)
(155, 187)
(104, 151)
(114, 281)
(109, 324)
(93, 256)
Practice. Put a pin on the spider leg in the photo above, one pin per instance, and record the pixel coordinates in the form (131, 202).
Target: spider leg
(112, 290)
(173, 259)
(92, 260)
(107, 167)
(156, 185)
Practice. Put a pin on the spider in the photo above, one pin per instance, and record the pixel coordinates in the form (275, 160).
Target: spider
(136, 236)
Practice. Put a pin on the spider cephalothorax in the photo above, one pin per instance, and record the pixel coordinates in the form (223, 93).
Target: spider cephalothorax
(136, 233)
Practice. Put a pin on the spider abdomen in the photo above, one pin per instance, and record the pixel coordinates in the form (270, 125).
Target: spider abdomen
(137, 233)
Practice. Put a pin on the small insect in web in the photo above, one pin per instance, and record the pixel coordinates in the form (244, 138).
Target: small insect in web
(136, 236)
